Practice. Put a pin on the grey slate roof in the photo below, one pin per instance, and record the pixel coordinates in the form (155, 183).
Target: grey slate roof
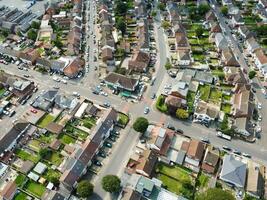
(233, 171)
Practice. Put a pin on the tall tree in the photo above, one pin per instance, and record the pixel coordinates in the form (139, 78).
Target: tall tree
(111, 183)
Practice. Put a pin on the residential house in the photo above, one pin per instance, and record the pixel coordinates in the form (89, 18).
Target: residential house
(75, 67)
(227, 2)
(53, 195)
(242, 126)
(210, 160)
(234, 75)
(204, 77)
(107, 54)
(57, 66)
(255, 180)
(237, 20)
(263, 3)
(10, 139)
(260, 58)
(228, 58)
(181, 42)
(174, 102)
(220, 41)
(180, 89)
(173, 11)
(160, 140)
(206, 112)
(184, 58)
(30, 56)
(194, 154)
(143, 35)
(46, 100)
(121, 83)
(142, 162)
(210, 16)
(77, 164)
(241, 101)
(233, 171)
(215, 28)
(244, 32)
(139, 62)
(233, 10)
(252, 45)
(9, 191)
(43, 63)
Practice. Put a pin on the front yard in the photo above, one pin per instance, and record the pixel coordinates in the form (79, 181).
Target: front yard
(176, 179)
(66, 139)
(160, 104)
(45, 120)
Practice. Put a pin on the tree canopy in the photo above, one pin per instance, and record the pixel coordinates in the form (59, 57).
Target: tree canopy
(120, 24)
(85, 189)
(224, 10)
(215, 194)
(251, 74)
(140, 124)
(32, 34)
(111, 183)
(199, 31)
(44, 152)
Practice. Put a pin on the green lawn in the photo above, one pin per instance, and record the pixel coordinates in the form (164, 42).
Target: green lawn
(218, 72)
(203, 180)
(123, 119)
(215, 95)
(66, 139)
(21, 196)
(78, 132)
(89, 122)
(26, 156)
(226, 97)
(46, 120)
(2, 91)
(204, 92)
(176, 179)
(50, 174)
(35, 188)
(226, 108)
(190, 101)
(47, 138)
(20, 180)
(55, 158)
(35, 145)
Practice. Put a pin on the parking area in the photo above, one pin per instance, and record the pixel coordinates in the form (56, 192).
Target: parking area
(102, 157)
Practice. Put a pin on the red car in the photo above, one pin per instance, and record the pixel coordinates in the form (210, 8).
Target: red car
(33, 111)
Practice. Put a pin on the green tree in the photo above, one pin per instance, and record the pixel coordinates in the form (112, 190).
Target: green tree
(153, 13)
(120, 24)
(199, 31)
(224, 10)
(120, 8)
(215, 194)
(251, 74)
(32, 34)
(54, 180)
(35, 25)
(182, 114)
(168, 65)
(161, 6)
(85, 189)
(140, 124)
(111, 183)
(44, 152)
(203, 9)
(165, 24)
(5, 33)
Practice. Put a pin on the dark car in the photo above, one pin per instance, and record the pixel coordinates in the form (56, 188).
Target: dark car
(97, 163)
(112, 138)
(179, 131)
(169, 126)
(108, 144)
(102, 154)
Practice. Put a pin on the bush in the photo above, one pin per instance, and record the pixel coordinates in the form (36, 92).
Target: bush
(215, 194)
(168, 65)
(87, 125)
(111, 183)
(85, 189)
(45, 152)
(160, 104)
(140, 124)
(182, 114)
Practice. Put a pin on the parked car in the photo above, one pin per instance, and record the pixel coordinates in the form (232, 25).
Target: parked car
(179, 131)
(33, 111)
(153, 96)
(108, 144)
(259, 106)
(146, 110)
(102, 154)
(97, 163)
(205, 140)
(26, 75)
(246, 155)
(227, 148)
(170, 126)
